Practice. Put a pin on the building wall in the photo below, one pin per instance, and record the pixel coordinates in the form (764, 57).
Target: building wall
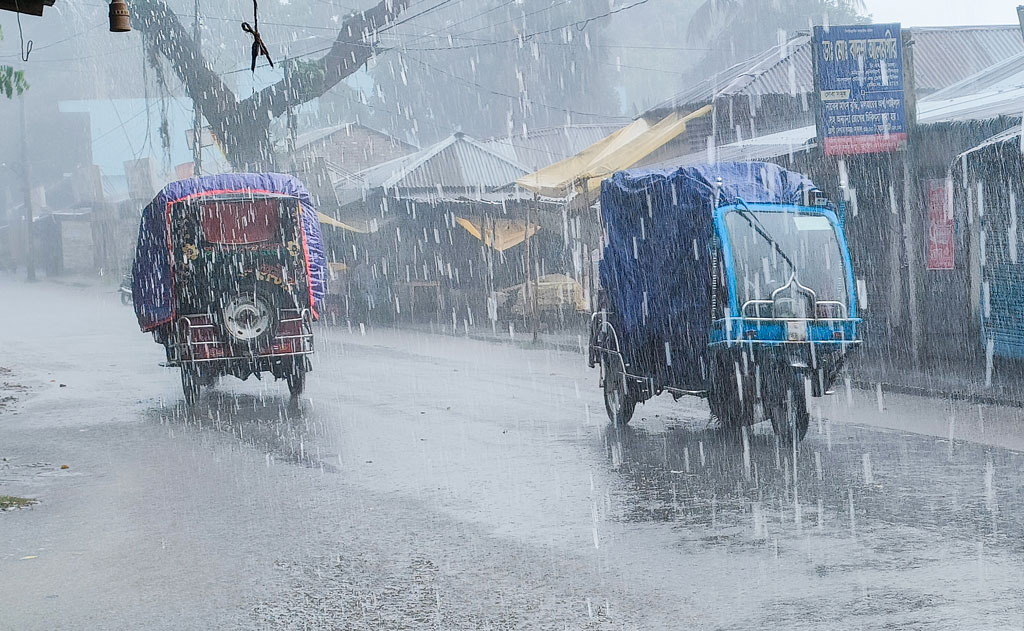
(990, 191)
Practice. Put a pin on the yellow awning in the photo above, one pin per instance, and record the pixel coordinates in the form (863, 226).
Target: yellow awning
(507, 232)
(618, 151)
(362, 227)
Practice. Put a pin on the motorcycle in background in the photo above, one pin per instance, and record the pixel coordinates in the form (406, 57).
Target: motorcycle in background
(125, 289)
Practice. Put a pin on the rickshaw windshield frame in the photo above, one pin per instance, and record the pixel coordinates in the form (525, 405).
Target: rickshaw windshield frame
(728, 260)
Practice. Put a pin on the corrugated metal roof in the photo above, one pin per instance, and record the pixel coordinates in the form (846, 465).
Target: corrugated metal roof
(983, 106)
(784, 143)
(309, 137)
(946, 55)
(761, 74)
(315, 135)
(1004, 75)
(995, 91)
(942, 57)
(1010, 135)
(454, 167)
(540, 147)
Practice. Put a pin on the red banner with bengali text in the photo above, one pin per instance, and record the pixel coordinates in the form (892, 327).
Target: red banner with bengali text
(940, 226)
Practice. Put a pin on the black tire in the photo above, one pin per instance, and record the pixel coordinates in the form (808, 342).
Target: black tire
(789, 414)
(208, 379)
(618, 401)
(190, 386)
(724, 399)
(727, 410)
(296, 378)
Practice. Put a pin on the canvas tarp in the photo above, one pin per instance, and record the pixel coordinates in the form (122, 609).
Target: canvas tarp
(655, 269)
(618, 151)
(152, 281)
(357, 226)
(507, 233)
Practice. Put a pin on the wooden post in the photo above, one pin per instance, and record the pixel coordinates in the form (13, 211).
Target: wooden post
(582, 214)
(491, 290)
(912, 225)
(531, 289)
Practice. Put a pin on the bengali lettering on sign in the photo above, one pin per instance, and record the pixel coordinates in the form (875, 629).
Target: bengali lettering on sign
(940, 225)
(859, 78)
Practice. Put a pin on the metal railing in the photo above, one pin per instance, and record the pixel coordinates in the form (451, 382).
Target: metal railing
(185, 348)
(845, 314)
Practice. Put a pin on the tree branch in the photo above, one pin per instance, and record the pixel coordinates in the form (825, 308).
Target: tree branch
(170, 38)
(244, 126)
(352, 48)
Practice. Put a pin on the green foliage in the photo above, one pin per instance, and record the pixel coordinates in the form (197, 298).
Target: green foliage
(11, 81)
(12, 502)
(306, 72)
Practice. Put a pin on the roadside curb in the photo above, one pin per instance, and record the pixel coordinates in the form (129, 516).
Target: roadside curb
(969, 396)
(934, 393)
(524, 344)
(520, 341)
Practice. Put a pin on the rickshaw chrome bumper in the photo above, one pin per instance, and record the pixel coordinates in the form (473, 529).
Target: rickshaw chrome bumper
(199, 339)
(817, 348)
(768, 331)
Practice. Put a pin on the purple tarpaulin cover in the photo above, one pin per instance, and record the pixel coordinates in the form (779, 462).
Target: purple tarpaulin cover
(152, 289)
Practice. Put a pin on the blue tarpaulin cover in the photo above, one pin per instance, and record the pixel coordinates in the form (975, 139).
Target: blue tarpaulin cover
(152, 289)
(656, 264)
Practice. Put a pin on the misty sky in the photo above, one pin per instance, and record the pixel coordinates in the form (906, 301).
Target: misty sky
(943, 12)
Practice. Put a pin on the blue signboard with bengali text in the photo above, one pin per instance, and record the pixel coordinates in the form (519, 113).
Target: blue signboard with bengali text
(860, 88)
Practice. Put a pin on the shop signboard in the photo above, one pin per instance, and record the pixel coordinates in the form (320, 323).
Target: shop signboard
(859, 81)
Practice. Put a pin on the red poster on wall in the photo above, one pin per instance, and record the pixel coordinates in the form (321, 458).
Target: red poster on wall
(940, 225)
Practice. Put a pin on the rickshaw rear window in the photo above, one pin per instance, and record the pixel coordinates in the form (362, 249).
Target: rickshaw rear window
(243, 222)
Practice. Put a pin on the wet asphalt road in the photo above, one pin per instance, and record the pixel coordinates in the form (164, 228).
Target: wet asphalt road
(441, 483)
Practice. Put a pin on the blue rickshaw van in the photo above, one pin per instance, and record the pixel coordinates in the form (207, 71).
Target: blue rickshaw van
(731, 282)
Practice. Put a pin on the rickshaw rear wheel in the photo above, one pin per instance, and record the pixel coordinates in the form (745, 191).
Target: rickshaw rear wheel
(790, 417)
(296, 377)
(727, 409)
(190, 385)
(618, 401)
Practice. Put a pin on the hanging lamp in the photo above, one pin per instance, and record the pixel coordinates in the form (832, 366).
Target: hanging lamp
(120, 18)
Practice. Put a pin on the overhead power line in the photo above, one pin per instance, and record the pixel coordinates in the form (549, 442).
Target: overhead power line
(388, 27)
(514, 97)
(579, 24)
(514, 19)
(463, 21)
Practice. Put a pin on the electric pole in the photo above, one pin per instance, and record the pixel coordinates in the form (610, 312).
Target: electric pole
(26, 176)
(197, 122)
(293, 118)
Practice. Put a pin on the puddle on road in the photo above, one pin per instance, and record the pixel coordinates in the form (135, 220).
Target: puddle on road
(279, 427)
